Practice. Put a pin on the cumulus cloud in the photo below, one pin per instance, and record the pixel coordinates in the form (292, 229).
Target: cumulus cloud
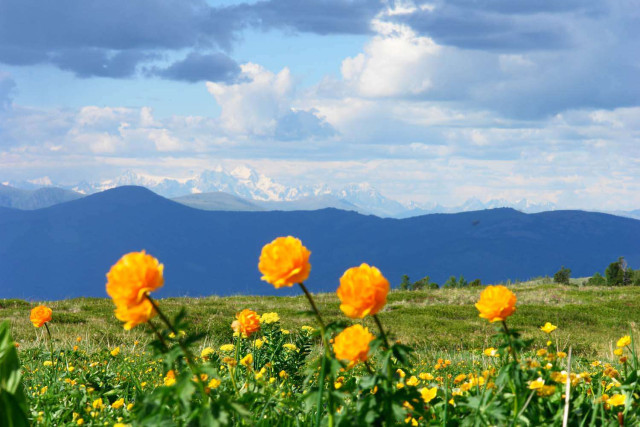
(260, 104)
(201, 67)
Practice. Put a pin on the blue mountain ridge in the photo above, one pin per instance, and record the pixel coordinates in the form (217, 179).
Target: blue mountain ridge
(66, 250)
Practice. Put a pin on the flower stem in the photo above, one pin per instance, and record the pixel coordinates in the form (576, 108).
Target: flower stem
(158, 334)
(382, 333)
(313, 305)
(50, 342)
(508, 333)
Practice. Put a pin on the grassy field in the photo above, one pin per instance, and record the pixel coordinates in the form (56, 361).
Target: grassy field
(435, 322)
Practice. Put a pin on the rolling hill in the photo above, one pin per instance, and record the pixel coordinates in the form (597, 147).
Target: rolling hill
(12, 197)
(66, 250)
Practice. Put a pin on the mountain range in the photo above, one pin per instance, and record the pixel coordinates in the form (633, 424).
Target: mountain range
(65, 250)
(265, 193)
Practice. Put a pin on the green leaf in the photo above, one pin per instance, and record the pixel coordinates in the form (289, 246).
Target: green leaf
(13, 402)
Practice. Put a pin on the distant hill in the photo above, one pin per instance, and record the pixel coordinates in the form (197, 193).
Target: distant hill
(66, 250)
(12, 197)
(311, 203)
(217, 201)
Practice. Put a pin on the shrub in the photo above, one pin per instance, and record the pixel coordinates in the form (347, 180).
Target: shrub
(562, 276)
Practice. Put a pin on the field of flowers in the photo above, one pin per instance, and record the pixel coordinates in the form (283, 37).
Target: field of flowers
(343, 370)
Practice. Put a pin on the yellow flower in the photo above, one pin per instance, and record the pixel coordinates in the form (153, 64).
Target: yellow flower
(115, 351)
(308, 329)
(428, 394)
(546, 390)
(247, 360)
(617, 400)
(425, 376)
(97, 404)
(247, 322)
(496, 303)
(206, 352)
(227, 347)
(258, 343)
(47, 363)
(618, 351)
(352, 344)
(214, 383)
(129, 281)
(561, 354)
(624, 341)
(290, 347)
(284, 262)
(170, 378)
(40, 315)
(118, 403)
(537, 384)
(491, 352)
(413, 381)
(283, 374)
(269, 318)
(363, 290)
(80, 421)
(548, 328)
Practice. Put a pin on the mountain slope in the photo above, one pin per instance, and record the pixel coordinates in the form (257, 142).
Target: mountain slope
(66, 250)
(11, 197)
(217, 201)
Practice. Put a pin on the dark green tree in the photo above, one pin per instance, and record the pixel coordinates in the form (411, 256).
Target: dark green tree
(406, 283)
(562, 276)
(615, 272)
(596, 280)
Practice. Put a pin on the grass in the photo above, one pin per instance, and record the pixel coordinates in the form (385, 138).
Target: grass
(439, 321)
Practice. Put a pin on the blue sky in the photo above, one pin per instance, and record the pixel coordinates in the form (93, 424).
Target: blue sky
(428, 101)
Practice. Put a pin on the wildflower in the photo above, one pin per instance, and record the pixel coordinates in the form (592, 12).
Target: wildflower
(542, 352)
(546, 390)
(290, 347)
(284, 331)
(561, 354)
(617, 400)
(618, 351)
(47, 363)
(258, 343)
(79, 339)
(282, 374)
(268, 318)
(537, 384)
(624, 341)
(206, 352)
(247, 322)
(170, 378)
(129, 281)
(118, 403)
(40, 315)
(352, 344)
(401, 373)
(284, 262)
(80, 421)
(425, 376)
(459, 378)
(227, 347)
(129, 406)
(115, 351)
(413, 381)
(428, 394)
(214, 383)
(97, 404)
(363, 290)
(247, 360)
(308, 329)
(496, 303)
(491, 352)
(548, 328)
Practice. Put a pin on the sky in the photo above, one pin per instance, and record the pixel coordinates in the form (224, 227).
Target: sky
(433, 102)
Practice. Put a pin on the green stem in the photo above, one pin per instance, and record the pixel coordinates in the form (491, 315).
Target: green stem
(381, 329)
(321, 389)
(508, 333)
(158, 334)
(50, 343)
(313, 305)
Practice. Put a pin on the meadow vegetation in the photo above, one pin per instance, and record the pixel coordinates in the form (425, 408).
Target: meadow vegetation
(457, 355)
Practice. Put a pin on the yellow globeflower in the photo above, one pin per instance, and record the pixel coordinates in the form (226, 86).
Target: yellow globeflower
(170, 378)
(247, 322)
(537, 384)
(269, 318)
(40, 315)
(129, 280)
(496, 303)
(352, 344)
(617, 400)
(227, 347)
(624, 341)
(247, 360)
(548, 328)
(428, 394)
(206, 352)
(363, 290)
(214, 383)
(284, 262)
(118, 403)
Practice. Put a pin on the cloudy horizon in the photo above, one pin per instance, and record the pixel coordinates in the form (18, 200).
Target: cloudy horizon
(426, 101)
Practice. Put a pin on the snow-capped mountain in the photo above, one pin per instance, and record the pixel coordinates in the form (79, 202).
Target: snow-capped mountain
(245, 182)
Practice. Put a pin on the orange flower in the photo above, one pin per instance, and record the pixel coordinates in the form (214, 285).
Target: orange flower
(247, 322)
(496, 303)
(40, 315)
(128, 281)
(363, 290)
(352, 344)
(284, 262)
